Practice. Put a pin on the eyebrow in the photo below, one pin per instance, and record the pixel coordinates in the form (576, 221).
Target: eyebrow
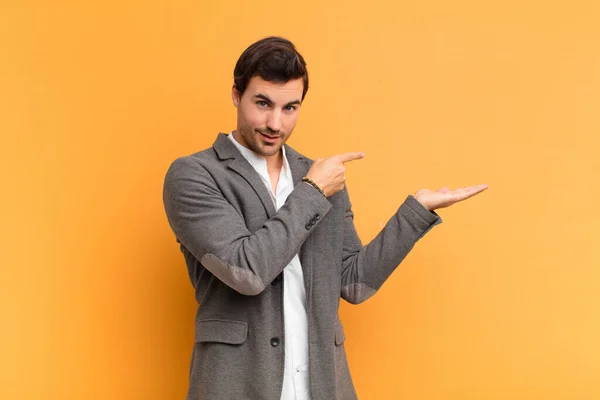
(268, 100)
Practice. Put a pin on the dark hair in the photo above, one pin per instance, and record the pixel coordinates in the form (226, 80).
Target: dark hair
(274, 59)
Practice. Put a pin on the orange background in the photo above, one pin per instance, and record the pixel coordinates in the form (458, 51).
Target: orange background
(502, 301)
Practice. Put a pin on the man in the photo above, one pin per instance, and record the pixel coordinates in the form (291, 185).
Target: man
(270, 244)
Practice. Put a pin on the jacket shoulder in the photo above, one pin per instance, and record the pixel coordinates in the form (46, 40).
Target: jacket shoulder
(204, 158)
(290, 152)
(196, 165)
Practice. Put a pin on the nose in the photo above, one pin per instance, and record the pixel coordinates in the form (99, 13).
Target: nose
(274, 121)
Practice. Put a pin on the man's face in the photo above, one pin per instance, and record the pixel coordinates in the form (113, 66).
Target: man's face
(267, 114)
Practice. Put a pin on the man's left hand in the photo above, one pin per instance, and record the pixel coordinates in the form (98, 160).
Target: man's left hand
(445, 197)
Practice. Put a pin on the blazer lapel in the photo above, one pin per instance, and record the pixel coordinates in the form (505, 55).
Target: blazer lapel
(298, 164)
(227, 151)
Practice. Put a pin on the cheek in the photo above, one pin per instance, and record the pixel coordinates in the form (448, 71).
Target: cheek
(290, 123)
(253, 118)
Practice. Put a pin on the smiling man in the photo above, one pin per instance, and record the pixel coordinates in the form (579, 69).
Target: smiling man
(270, 245)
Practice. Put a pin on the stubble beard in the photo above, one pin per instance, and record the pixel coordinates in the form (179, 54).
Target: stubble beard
(252, 137)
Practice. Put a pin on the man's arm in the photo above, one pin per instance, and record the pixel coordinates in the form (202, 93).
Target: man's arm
(214, 232)
(365, 268)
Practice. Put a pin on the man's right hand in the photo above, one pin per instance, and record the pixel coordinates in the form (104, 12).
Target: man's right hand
(330, 173)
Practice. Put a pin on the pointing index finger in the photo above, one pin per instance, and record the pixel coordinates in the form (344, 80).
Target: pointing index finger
(346, 157)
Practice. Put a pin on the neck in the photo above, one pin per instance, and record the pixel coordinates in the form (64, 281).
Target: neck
(275, 161)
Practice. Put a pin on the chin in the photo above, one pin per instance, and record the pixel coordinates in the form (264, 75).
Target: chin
(270, 151)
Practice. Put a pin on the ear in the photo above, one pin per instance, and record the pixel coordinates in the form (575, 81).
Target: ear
(235, 96)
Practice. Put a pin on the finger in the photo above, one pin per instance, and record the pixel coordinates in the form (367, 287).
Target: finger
(482, 186)
(346, 157)
(465, 193)
(469, 189)
(473, 190)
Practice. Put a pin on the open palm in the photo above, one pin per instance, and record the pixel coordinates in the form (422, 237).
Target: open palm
(445, 197)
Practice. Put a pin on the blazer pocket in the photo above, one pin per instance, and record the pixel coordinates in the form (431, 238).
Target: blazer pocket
(221, 331)
(339, 334)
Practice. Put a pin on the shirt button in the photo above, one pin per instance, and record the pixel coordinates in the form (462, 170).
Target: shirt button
(274, 342)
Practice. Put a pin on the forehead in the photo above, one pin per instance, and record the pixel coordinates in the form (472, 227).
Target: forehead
(277, 92)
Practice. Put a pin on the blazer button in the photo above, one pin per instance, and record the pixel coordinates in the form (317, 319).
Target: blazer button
(317, 216)
(307, 226)
(276, 280)
(274, 342)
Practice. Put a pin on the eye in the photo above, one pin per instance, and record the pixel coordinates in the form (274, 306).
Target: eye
(262, 103)
(290, 108)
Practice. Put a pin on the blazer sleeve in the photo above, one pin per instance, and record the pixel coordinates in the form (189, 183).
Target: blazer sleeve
(365, 268)
(215, 233)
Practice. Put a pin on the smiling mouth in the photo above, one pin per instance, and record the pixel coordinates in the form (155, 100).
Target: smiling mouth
(269, 137)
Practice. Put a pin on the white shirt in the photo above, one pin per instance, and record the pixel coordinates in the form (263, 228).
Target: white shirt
(295, 375)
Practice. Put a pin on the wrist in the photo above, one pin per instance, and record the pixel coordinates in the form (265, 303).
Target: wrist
(424, 203)
(314, 185)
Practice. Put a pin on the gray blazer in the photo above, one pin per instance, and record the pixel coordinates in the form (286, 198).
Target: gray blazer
(236, 246)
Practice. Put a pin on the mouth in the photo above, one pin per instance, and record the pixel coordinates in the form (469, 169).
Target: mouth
(269, 139)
